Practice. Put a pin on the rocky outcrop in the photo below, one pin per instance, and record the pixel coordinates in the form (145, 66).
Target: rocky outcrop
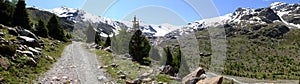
(194, 77)
(214, 80)
(169, 70)
(29, 41)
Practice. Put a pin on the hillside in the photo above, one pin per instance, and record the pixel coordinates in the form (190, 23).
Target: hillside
(261, 43)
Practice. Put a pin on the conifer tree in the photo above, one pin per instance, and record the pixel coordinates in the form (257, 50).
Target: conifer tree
(20, 16)
(107, 42)
(98, 38)
(6, 12)
(41, 29)
(139, 47)
(169, 56)
(55, 29)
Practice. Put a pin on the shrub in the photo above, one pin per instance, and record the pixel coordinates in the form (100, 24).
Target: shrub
(8, 49)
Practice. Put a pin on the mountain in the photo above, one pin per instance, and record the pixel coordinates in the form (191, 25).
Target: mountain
(81, 19)
(281, 12)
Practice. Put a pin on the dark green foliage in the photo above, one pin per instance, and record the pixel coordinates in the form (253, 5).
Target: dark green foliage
(139, 47)
(6, 12)
(69, 36)
(90, 34)
(55, 29)
(41, 29)
(107, 42)
(20, 17)
(173, 57)
(98, 39)
(7, 50)
(169, 56)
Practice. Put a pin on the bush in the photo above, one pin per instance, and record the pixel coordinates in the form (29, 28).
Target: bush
(8, 50)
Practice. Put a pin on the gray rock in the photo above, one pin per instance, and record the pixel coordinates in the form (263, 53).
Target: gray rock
(28, 33)
(108, 49)
(27, 53)
(34, 51)
(29, 41)
(1, 34)
(12, 31)
(32, 62)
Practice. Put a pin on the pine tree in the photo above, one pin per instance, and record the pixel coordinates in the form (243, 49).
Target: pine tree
(41, 29)
(169, 56)
(20, 16)
(107, 42)
(98, 38)
(55, 29)
(139, 48)
(6, 12)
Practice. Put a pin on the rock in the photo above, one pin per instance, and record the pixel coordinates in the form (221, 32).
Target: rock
(28, 33)
(136, 81)
(12, 31)
(29, 41)
(193, 76)
(127, 55)
(32, 62)
(55, 78)
(214, 80)
(147, 80)
(99, 47)
(34, 51)
(122, 76)
(2, 34)
(108, 49)
(4, 64)
(27, 53)
(168, 70)
(2, 26)
(49, 58)
(101, 78)
(114, 65)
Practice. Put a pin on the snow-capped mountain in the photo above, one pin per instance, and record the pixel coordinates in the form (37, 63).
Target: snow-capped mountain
(288, 14)
(81, 17)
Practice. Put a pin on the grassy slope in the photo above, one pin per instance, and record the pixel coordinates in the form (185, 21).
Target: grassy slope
(19, 72)
(261, 58)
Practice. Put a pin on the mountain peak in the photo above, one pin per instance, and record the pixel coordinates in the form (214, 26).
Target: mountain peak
(278, 5)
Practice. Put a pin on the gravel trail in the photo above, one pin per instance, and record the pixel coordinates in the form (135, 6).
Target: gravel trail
(77, 66)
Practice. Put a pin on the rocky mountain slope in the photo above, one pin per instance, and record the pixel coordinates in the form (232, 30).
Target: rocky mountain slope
(288, 14)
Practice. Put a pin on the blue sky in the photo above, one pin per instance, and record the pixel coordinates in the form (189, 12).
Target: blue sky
(175, 12)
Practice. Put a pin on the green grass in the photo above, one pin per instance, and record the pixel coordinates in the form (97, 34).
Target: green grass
(19, 72)
(262, 57)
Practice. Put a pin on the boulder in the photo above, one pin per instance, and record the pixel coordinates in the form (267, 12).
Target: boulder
(32, 62)
(99, 47)
(194, 76)
(205, 54)
(27, 53)
(168, 70)
(4, 64)
(29, 41)
(127, 55)
(214, 80)
(1, 35)
(34, 51)
(108, 49)
(28, 33)
(2, 26)
(12, 31)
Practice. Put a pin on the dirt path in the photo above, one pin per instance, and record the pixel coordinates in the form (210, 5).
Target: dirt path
(76, 65)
